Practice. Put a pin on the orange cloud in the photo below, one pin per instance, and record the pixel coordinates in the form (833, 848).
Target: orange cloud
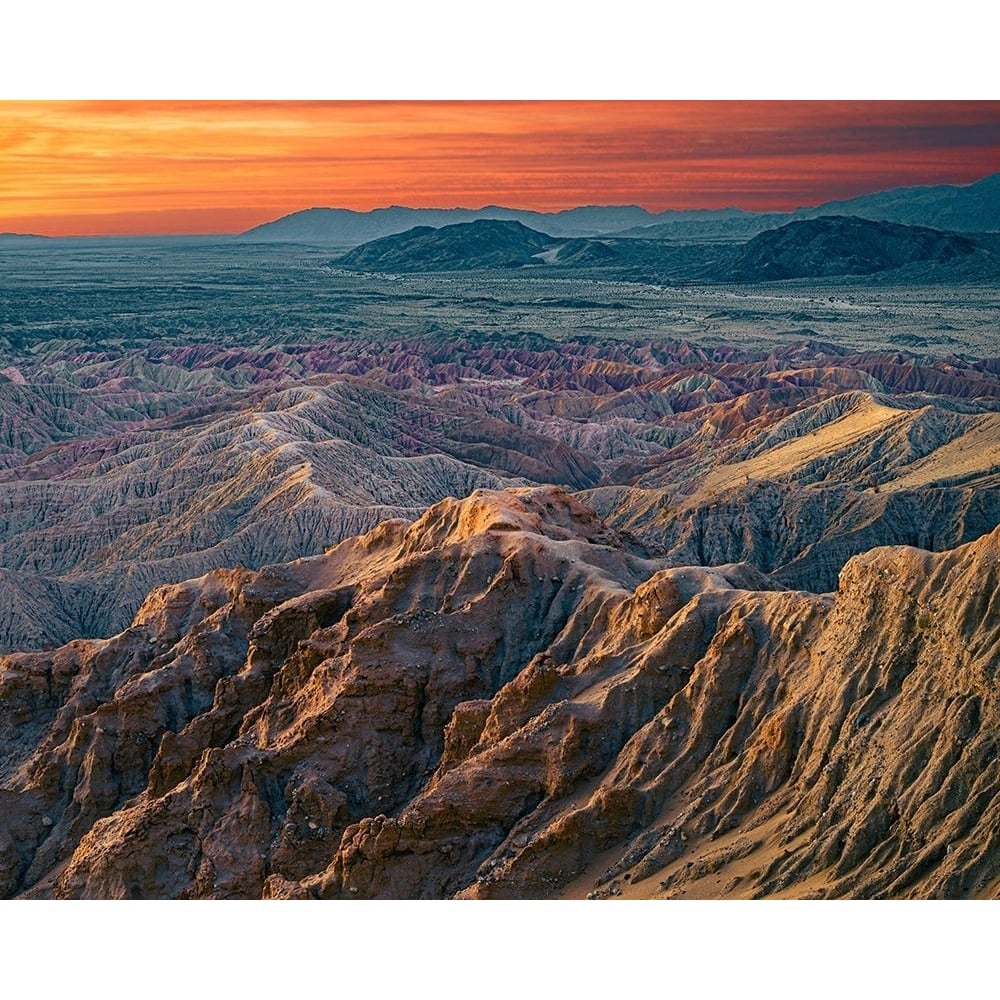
(137, 167)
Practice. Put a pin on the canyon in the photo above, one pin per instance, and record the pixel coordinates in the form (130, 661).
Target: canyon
(515, 580)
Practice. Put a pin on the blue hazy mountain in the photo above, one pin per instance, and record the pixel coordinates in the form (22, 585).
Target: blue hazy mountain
(345, 227)
(970, 208)
(960, 208)
(17, 239)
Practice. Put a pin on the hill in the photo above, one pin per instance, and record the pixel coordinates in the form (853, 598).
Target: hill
(827, 247)
(842, 245)
(485, 243)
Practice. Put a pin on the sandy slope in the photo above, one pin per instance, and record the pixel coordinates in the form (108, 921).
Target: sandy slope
(824, 444)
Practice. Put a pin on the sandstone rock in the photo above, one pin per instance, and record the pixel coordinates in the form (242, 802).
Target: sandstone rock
(327, 729)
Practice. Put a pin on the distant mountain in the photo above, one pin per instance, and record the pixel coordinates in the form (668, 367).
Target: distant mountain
(962, 208)
(731, 224)
(831, 246)
(842, 245)
(970, 208)
(485, 243)
(347, 228)
(9, 238)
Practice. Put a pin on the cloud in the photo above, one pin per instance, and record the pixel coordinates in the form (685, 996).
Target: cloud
(212, 166)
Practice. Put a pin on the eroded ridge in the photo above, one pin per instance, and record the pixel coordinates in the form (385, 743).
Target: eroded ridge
(508, 698)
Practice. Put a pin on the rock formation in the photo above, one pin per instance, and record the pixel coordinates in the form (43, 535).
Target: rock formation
(120, 471)
(506, 698)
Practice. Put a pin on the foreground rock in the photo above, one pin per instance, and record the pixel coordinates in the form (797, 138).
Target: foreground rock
(506, 698)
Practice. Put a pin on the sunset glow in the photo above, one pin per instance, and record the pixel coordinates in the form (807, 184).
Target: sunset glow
(202, 167)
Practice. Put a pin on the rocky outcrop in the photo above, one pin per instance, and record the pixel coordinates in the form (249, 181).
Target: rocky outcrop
(507, 698)
(802, 534)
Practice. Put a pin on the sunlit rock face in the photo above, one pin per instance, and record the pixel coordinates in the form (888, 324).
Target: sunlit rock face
(506, 698)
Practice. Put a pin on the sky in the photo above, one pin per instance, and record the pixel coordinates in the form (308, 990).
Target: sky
(143, 167)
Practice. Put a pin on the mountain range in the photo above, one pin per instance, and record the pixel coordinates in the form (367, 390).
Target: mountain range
(345, 227)
(960, 208)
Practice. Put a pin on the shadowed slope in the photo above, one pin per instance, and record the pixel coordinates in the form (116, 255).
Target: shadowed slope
(836, 244)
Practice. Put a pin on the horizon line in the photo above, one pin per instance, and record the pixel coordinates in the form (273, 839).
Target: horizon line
(464, 208)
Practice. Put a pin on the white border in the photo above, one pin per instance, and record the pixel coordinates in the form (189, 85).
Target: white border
(391, 49)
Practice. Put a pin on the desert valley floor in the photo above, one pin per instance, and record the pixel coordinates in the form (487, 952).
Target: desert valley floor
(323, 582)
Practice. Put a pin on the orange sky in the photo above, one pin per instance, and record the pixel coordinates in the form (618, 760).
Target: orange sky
(203, 167)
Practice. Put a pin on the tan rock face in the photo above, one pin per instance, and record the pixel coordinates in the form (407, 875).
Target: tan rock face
(507, 698)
